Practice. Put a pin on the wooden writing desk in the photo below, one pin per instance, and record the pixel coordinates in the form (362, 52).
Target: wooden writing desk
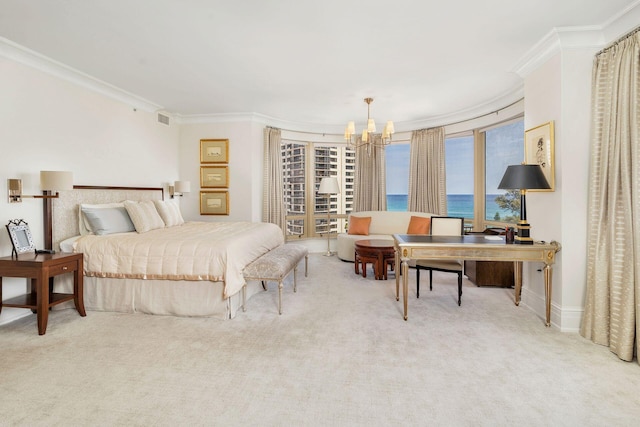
(476, 247)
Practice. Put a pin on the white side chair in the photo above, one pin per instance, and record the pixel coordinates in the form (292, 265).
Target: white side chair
(442, 226)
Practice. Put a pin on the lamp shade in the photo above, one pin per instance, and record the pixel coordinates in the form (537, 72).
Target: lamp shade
(524, 177)
(56, 180)
(182, 186)
(329, 185)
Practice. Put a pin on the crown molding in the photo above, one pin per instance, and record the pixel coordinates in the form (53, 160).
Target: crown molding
(494, 106)
(556, 41)
(261, 119)
(624, 21)
(30, 58)
(586, 37)
(473, 114)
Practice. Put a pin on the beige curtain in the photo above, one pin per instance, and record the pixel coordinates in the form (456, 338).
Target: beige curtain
(370, 192)
(427, 175)
(273, 209)
(613, 243)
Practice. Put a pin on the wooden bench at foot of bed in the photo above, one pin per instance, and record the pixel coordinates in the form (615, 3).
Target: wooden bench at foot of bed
(276, 265)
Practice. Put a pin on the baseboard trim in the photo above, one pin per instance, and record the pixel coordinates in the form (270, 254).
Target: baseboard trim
(563, 318)
(10, 315)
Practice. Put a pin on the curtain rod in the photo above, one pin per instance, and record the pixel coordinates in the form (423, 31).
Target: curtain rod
(448, 124)
(483, 115)
(629, 34)
(305, 141)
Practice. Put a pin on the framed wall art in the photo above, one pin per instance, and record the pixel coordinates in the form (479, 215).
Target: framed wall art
(214, 176)
(214, 151)
(214, 203)
(539, 149)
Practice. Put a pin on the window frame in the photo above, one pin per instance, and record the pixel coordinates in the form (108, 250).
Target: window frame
(311, 218)
(480, 222)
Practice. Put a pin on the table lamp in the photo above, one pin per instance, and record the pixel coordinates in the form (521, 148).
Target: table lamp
(523, 177)
(329, 186)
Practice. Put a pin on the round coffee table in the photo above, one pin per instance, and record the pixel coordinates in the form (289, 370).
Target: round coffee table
(380, 253)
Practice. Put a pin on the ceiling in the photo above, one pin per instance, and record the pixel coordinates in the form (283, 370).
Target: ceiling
(302, 61)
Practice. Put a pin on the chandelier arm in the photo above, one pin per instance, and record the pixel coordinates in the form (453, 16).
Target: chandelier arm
(369, 132)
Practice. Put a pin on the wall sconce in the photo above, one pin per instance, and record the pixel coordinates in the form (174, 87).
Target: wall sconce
(49, 181)
(179, 188)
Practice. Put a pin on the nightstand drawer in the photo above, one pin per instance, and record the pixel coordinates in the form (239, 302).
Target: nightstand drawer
(67, 267)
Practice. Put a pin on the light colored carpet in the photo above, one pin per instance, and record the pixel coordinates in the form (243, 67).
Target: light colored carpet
(339, 355)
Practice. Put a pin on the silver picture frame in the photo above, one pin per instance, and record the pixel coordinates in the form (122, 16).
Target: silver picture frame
(21, 237)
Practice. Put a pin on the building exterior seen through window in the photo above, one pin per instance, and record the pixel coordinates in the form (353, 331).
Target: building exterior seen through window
(304, 166)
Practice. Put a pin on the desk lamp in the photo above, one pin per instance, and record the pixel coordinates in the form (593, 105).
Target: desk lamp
(524, 177)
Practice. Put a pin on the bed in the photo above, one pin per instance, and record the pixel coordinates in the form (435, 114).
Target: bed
(191, 269)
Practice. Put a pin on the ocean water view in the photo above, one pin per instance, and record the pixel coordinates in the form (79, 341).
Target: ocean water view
(457, 205)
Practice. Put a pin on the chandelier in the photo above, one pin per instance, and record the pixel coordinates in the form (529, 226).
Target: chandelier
(367, 134)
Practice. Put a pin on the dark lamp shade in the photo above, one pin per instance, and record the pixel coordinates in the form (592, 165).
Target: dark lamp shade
(524, 177)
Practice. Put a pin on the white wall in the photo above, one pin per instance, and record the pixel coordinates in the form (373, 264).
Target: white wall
(544, 209)
(558, 88)
(245, 168)
(576, 70)
(51, 124)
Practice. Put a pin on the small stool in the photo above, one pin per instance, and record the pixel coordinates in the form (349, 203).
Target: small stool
(377, 252)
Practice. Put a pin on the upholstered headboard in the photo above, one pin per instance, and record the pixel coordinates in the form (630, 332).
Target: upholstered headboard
(66, 207)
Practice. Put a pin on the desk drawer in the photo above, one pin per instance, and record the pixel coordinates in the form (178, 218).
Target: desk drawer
(67, 267)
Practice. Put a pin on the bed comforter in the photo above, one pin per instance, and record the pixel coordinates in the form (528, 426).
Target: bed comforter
(214, 251)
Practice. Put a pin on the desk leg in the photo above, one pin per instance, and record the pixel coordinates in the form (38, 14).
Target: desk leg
(547, 293)
(405, 285)
(1, 295)
(517, 277)
(42, 303)
(78, 292)
(397, 267)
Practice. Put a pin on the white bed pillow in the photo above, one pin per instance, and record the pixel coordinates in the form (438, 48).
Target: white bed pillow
(169, 212)
(144, 215)
(104, 221)
(83, 224)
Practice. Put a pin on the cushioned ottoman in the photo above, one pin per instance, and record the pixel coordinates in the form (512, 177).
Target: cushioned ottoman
(276, 265)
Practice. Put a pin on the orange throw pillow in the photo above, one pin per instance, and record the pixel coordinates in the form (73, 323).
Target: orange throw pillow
(419, 225)
(359, 225)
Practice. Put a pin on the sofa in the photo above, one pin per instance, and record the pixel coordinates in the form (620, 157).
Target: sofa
(382, 227)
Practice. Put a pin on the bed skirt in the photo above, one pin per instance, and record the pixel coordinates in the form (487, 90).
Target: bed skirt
(160, 297)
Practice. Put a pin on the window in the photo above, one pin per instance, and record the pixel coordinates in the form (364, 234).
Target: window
(475, 162)
(304, 166)
(504, 146)
(397, 176)
(459, 158)
(295, 181)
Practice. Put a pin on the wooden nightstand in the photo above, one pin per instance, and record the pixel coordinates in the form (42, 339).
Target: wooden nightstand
(41, 269)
